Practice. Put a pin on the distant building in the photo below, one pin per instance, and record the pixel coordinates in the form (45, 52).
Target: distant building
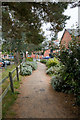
(49, 51)
(6, 56)
(46, 53)
(34, 55)
(67, 36)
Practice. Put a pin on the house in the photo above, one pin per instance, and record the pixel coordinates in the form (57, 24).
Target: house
(49, 51)
(38, 55)
(46, 53)
(35, 56)
(6, 56)
(67, 36)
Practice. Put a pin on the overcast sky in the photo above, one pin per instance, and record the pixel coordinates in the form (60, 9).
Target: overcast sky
(71, 23)
(73, 12)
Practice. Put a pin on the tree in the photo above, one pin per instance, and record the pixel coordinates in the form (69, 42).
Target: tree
(75, 4)
(27, 18)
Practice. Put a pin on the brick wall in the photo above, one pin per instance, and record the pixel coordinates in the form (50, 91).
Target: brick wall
(66, 39)
(36, 56)
(46, 53)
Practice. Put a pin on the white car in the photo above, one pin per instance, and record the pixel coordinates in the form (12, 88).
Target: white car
(7, 62)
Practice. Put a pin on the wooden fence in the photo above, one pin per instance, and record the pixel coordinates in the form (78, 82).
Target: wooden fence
(10, 85)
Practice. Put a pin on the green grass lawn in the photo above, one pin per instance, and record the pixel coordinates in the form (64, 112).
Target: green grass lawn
(5, 72)
(9, 100)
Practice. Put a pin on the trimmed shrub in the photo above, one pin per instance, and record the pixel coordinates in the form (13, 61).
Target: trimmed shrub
(52, 62)
(27, 67)
(56, 82)
(50, 70)
(55, 70)
(43, 61)
(59, 84)
(62, 80)
(32, 64)
(26, 70)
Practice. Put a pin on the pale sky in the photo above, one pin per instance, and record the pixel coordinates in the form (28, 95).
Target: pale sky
(71, 23)
(73, 12)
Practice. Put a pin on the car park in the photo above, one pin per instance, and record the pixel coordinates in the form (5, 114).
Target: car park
(7, 62)
(47, 57)
(2, 63)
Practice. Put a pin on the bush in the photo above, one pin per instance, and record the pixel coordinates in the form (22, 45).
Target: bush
(27, 67)
(32, 64)
(26, 70)
(62, 81)
(68, 79)
(56, 82)
(55, 70)
(71, 59)
(52, 62)
(43, 61)
(59, 84)
(50, 70)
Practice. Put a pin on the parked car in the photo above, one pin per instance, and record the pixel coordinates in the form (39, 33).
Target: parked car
(2, 63)
(47, 57)
(7, 62)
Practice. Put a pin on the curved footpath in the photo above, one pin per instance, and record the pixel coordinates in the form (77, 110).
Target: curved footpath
(37, 99)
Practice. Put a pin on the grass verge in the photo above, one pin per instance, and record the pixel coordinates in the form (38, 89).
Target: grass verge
(5, 72)
(9, 100)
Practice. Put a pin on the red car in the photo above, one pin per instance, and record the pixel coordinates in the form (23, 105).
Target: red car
(1, 64)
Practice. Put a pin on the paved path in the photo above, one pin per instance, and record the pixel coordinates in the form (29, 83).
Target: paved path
(39, 100)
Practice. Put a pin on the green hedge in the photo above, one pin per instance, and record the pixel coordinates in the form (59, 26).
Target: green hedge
(67, 79)
(52, 62)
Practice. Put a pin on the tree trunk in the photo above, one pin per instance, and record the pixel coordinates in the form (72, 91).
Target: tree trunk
(23, 57)
(16, 57)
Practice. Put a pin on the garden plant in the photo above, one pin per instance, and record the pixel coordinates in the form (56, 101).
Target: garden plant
(43, 61)
(67, 78)
(52, 62)
(27, 67)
